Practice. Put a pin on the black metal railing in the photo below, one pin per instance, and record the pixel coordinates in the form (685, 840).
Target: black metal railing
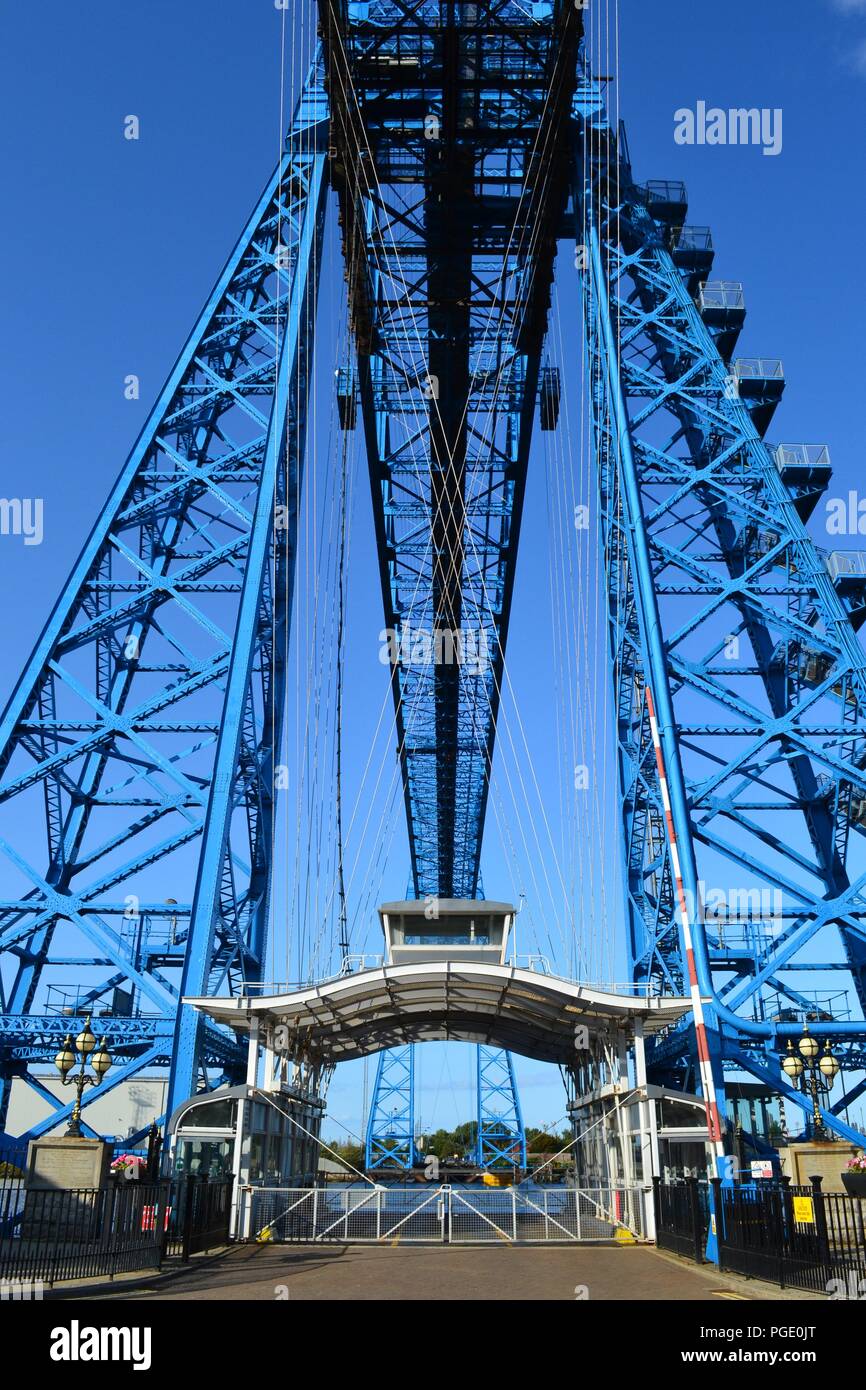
(797, 1237)
(83, 1233)
(201, 1213)
(682, 1217)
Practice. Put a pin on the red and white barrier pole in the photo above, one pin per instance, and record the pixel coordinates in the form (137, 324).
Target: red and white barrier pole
(714, 1127)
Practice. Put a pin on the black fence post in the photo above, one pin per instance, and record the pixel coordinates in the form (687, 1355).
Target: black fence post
(787, 1233)
(154, 1148)
(188, 1215)
(162, 1215)
(227, 1192)
(657, 1205)
(718, 1217)
(821, 1223)
(697, 1222)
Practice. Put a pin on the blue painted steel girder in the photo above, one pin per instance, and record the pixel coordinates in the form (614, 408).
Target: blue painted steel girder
(146, 722)
(722, 606)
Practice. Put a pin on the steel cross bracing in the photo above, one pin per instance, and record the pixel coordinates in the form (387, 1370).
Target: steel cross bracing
(390, 1138)
(500, 1133)
(448, 158)
(722, 612)
(141, 737)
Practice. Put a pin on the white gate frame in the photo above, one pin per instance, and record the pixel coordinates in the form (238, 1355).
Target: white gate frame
(448, 1200)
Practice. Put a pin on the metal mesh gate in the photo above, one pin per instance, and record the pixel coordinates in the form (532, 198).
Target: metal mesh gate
(457, 1216)
(347, 1214)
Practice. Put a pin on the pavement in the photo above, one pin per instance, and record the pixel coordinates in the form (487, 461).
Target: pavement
(401, 1273)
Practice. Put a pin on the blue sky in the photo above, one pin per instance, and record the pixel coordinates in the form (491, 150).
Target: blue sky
(110, 247)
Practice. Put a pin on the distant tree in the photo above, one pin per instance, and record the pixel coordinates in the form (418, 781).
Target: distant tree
(540, 1141)
(445, 1143)
(440, 1143)
(346, 1149)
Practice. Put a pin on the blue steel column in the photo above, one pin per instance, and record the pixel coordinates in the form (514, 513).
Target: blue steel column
(281, 479)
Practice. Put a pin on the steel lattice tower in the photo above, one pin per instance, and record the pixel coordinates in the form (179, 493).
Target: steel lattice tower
(739, 684)
(147, 720)
(462, 141)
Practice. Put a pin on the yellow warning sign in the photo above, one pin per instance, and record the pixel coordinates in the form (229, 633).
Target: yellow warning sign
(804, 1211)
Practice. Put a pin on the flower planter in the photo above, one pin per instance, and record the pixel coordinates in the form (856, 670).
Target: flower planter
(855, 1183)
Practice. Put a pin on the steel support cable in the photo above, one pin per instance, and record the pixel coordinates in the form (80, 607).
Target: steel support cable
(548, 164)
(589, 571)
(404, 284)
(303, 510)
(613, 561)
(340, 585)
(622, 591)
(323, 643)
(337, 770)
(566, 596)
(492, 417)
(610, 730)
(561, 611)
(569, 594)
(526, 805)
(560, 640)
(388, 806)
(295, 502)
(308, 775)
(504, 827)
(323, 647)
(281, 138)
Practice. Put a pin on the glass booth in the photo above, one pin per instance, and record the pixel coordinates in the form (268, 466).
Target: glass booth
(264, 1138)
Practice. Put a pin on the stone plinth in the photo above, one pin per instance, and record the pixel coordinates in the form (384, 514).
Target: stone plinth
(814, 1158)
(59, 1163)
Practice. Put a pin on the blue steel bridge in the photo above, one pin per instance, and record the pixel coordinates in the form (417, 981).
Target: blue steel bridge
(467, 154)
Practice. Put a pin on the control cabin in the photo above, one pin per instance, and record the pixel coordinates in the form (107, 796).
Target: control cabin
(455, 929)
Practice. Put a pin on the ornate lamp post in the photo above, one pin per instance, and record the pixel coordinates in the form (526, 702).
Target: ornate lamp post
(811, 1073)
(100, 1061)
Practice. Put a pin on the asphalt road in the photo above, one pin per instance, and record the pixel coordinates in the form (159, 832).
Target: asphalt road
(399, 1273)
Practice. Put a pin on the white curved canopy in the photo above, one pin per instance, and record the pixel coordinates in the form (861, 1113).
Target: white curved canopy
(528, 1013)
